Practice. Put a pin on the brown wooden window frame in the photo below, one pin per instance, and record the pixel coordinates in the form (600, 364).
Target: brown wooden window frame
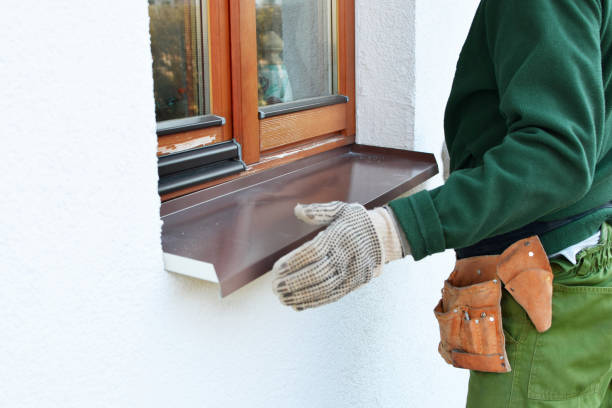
(220, 87)
(270, 141)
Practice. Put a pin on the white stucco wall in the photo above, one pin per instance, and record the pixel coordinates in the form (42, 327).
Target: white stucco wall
(386, 72)
(88, 316)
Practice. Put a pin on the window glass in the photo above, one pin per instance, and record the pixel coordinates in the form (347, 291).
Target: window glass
(295, 49)
(180, 58)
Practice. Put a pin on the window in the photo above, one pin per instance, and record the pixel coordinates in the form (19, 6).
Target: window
(275, 76)
(243, 90)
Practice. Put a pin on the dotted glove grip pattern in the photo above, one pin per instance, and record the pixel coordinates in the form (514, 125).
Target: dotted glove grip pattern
(341, 258)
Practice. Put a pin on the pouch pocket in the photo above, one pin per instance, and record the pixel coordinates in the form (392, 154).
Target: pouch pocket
(481, 331)
(574, 357)
(450, 323)
(470, 325)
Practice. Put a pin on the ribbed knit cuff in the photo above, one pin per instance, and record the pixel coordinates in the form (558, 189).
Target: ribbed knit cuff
(419, 220)
(400, 232)
(387, 235)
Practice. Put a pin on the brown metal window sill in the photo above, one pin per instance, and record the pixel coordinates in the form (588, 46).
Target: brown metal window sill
(233, 232)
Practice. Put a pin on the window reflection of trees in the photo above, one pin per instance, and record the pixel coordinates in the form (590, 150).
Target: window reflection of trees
(176, 48)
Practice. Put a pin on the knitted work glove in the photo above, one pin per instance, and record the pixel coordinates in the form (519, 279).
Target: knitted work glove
(347, 254)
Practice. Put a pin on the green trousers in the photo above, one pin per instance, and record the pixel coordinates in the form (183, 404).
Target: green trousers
(570, 365)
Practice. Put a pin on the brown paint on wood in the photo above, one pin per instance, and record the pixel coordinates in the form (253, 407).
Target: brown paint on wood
(220, 69)
(346, 59)
(191, 90)
(302, 150)
(189, 140)
(244, 77)
(302, 144)
(294, 127)
(273, 159)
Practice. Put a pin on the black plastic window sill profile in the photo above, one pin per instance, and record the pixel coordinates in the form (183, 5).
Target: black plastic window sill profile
(197, 166)
(169, 127)
(300, 105)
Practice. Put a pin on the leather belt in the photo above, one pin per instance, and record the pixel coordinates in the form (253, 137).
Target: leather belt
(498, 244)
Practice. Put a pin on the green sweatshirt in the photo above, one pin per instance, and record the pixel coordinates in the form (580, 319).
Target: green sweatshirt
(528, 127)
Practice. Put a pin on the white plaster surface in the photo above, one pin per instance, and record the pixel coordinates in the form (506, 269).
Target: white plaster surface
(88, 317)
(385, 54)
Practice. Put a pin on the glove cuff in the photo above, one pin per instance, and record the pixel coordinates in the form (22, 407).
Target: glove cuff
(390, 242)
(406, 250)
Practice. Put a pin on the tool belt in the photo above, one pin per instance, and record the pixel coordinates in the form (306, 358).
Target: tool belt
(469, 313)
(495, 245)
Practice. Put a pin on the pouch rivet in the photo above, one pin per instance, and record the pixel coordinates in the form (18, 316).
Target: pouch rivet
(531, 253)
(455, 311)
(492, 319)
(476, 321)
(501, 357)
(478, 271)
(483, 315)
(494, 280)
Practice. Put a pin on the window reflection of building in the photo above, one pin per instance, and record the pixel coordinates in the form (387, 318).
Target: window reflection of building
(295, 49)
(274, 85)
(308, 54)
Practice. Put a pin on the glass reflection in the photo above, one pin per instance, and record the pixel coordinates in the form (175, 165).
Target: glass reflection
(178, 43)
(295, 50)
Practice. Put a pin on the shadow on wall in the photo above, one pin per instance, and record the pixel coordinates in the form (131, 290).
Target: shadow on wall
(445, 162)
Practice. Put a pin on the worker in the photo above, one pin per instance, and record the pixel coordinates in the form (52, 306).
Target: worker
(528, 126)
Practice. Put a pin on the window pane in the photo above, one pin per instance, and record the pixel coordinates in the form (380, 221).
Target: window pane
(295, 49)
(179, 48)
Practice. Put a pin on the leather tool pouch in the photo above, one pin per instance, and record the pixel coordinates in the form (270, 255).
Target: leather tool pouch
(469, 313)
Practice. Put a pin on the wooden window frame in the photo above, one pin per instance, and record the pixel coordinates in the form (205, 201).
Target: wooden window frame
(220, 87)
(233, 70)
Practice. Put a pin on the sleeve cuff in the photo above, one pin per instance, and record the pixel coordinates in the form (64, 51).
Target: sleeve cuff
(400, 232)
(418, 218)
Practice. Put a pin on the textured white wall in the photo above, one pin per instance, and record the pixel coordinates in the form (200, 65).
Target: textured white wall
(88, 316)
(385, 42)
